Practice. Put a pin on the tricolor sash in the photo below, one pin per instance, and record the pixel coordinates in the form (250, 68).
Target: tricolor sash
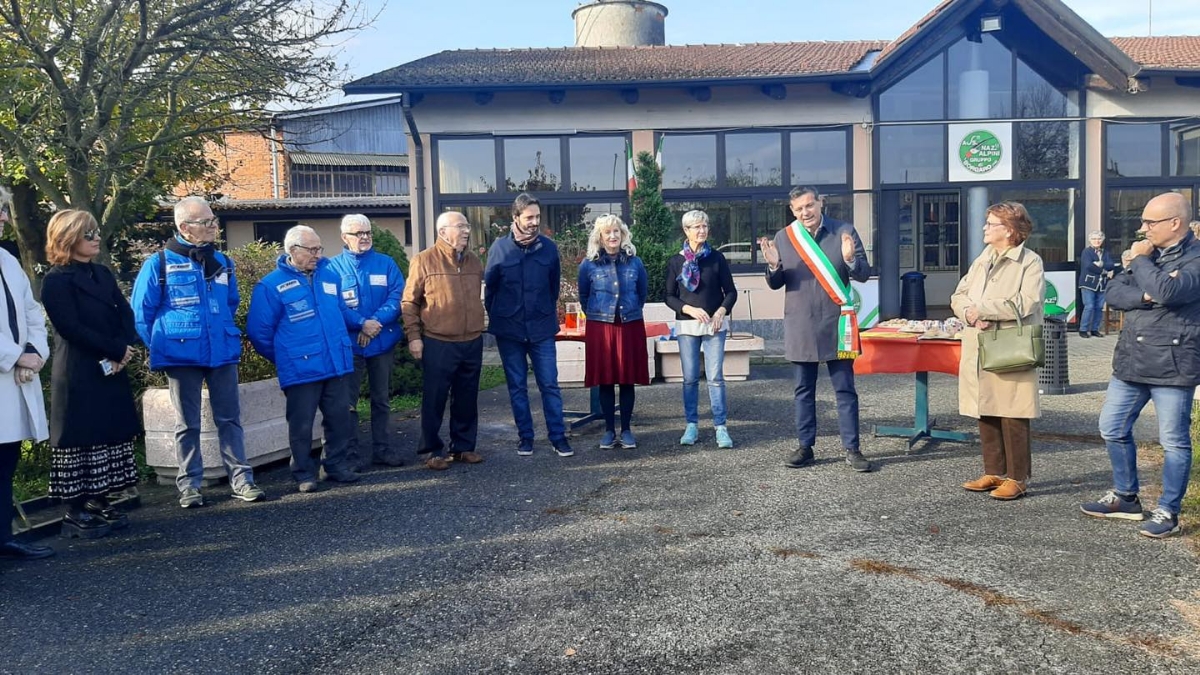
(818, 263)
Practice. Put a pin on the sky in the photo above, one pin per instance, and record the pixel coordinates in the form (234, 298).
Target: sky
(406, 30)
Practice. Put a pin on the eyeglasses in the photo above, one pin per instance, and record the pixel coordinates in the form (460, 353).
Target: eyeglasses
(314, 250)
(697, 227)
(365, 234)
(988, 223)
(93, 235)
(1152, 223)
(209, 223)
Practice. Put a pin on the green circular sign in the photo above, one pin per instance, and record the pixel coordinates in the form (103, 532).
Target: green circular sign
(855, 299)
(980, 151)
(1050, 306)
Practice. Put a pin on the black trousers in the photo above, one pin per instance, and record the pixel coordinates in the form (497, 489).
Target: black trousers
(450, 372)
(10, 454)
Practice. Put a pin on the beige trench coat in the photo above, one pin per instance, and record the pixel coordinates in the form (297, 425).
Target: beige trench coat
(1017, 276)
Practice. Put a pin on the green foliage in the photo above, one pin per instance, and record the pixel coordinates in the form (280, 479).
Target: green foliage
(489, 377)
(386, 243)
(655, 232)
(252, 262)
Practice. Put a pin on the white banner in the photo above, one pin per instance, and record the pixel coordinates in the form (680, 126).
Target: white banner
(980, 151)
(865, 297)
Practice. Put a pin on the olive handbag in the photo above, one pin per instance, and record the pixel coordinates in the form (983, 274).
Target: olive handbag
(1006, 350)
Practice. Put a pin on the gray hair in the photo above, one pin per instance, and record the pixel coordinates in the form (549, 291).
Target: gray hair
(1095, 234)
(295, 235)
(694, 217)
(603, 223)
(183, 206)
(353, 219)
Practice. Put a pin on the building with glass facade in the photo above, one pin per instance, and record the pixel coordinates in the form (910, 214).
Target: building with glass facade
(910, 139)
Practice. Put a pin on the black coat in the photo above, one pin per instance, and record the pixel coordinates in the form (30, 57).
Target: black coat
(92, 321)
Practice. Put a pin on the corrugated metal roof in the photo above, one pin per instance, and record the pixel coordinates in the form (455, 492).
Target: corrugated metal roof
(347, 159)
(308, 203)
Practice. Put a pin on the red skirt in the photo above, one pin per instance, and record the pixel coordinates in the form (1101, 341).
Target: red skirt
(615, 353)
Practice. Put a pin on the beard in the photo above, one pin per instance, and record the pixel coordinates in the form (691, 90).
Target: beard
(522, 237)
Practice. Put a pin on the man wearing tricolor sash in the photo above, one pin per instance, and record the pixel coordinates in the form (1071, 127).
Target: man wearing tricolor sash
(813, 259)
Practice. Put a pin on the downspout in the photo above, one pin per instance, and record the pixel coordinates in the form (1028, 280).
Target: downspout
(274, 165)
(417, 178)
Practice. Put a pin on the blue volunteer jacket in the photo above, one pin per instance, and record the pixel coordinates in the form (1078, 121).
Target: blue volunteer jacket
(372, 286)
(301, 324)
(520, 289)
(189, 322)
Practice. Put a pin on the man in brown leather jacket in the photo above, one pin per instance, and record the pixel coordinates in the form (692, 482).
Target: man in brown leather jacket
(442, 311)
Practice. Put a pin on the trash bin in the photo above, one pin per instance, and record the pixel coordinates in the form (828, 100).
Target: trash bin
(1053, 376)
(912, 296)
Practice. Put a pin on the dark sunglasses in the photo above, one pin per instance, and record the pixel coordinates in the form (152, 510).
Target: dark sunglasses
(93, 235)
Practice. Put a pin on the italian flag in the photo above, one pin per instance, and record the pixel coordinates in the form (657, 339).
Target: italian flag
(629, 172)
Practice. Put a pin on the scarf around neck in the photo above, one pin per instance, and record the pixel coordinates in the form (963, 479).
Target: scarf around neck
(690, 274)
(205, 255)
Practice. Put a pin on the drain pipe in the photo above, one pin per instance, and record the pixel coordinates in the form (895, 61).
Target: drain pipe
(274, 163)
(416, 159)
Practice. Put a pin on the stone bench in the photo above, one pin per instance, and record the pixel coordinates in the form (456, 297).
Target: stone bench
(738, 347)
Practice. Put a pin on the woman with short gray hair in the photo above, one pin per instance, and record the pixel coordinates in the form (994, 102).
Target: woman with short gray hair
(1096, 267)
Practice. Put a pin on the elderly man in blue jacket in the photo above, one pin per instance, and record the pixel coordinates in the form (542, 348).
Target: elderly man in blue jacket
(184, 302)
(521, 285)
(372, 286)
(299, 322)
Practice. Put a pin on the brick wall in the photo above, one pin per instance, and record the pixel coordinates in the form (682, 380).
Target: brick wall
(243, 165)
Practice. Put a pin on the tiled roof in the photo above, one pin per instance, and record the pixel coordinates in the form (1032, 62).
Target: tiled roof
(1168, 52)
(914, 29)
(618, 65)
(308, 203)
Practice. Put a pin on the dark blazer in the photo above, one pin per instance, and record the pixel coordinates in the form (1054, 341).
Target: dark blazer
(1094, 276)
(520, 289)
(92, 321)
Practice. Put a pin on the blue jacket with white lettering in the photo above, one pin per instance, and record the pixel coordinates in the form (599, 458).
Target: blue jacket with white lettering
(300, 323)
(189, 321)
(372, 286)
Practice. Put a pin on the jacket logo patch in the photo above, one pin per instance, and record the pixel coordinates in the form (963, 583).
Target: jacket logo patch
(379, 280)
(288, 285)
(222, 279)
(330, 288)
(179, 267)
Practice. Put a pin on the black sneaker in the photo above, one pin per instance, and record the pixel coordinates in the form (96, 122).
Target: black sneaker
(1097, 333)
(857, 462)
(1084, 335)
(563, 448)
(525, 447)
(800, 458)
(1113, 505)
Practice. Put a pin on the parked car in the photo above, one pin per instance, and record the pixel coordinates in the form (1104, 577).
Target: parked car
(737, 251)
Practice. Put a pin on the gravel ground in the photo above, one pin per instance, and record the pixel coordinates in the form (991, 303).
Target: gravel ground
(653, 560)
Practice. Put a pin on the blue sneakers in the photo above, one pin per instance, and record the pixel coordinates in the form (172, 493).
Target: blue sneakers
(608, 440)
(690, 433)
(525, 447)
(627, 441)
(1113, 505)
(723, 438)
(1162, 524)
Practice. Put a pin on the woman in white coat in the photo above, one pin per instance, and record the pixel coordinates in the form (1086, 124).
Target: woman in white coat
(23, 352)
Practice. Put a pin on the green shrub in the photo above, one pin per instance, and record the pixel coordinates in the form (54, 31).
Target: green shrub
(387, 244)
(655, 232)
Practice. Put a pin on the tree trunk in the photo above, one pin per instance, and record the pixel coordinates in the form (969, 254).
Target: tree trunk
(30, 225)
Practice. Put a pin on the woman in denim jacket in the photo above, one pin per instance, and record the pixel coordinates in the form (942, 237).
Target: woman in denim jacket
(612, 291)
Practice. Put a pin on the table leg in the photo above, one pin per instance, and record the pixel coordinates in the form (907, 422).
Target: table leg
(922, 425)
(579, 418)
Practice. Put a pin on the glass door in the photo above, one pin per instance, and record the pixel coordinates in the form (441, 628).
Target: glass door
(937, 229)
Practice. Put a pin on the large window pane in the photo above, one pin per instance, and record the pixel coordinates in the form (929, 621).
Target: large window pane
(487, 223)
(819, 157)
(690, 162)
(532, 164)
(1185, 148)
(1047, 150)
(980, 79)
(1124, 214)
(560, 218)
(912, 154)
(1053, 214)
(919, 96)
(1133, 149)
(753, 160)
(1038, 98)
(467, 166)
(731, 230)
(598, 163)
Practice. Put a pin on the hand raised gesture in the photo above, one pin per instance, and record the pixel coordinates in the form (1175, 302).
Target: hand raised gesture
(847, 248)
(769, 252)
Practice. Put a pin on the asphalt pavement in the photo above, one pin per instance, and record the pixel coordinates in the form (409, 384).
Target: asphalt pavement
(659, 559)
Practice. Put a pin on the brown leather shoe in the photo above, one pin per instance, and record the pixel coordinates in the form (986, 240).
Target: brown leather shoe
(1009, 489)
(468, 457)
(437, 464)
(985, 483)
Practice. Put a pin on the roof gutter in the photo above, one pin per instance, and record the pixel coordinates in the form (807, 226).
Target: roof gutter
(418, 176)
(355, 90)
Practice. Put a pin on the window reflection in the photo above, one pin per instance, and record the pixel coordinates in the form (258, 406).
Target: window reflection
(1053, 214)
(753, 160)
(912, 154)
(819, 157)
(1133, 149)
(1185, 148)
(598, 164)
(1124, 214)
(1047, 150)
(919, 96)
(532, 164)
(982, 73)
(1038, 98)
(466, 165)
(689, 161)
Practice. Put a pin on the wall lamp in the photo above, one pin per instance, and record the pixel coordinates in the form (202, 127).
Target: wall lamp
(991, 24)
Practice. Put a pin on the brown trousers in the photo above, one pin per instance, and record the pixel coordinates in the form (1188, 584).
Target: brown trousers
(1005, 442)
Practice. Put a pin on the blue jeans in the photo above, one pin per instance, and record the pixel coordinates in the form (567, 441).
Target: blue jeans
(1173, 405)
(184, 385)
(841, 374)
(517, 356)
(1093, 310)
(714, 373)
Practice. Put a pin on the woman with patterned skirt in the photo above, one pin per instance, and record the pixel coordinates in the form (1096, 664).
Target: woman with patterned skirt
(93, 422)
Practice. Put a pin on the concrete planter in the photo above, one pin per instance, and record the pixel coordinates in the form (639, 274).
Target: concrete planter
(737, 357)
(266, 432)
(571, 367)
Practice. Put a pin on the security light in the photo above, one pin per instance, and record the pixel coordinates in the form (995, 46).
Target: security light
(989, 24)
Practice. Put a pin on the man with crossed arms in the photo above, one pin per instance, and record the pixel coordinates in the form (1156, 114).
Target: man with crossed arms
(811, 317)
